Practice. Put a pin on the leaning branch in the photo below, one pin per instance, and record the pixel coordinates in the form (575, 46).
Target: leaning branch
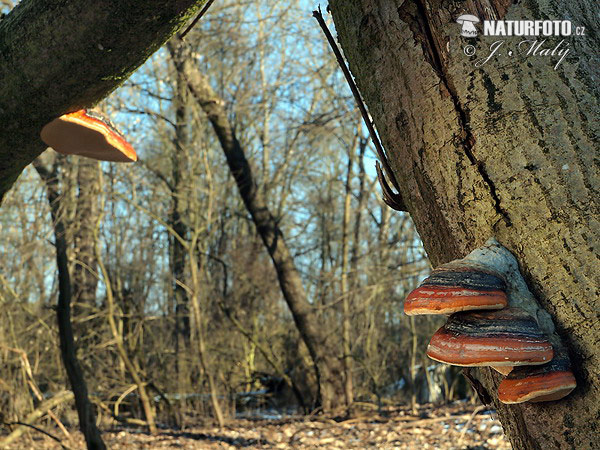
(58, 56)
(392, 199)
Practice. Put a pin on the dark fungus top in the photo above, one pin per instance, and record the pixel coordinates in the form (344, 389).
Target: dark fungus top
(467, 278)
(501, 323)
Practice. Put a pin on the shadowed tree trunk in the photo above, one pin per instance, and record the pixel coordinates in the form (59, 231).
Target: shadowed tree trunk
(508, 149)
(58, 56)
(85, 410)
(328, 368)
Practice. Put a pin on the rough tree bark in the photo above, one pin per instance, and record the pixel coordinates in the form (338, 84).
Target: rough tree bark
(506, 149)
(58, 56)
(328, 368)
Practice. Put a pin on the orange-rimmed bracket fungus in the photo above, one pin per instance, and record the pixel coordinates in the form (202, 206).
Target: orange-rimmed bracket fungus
(548, 382)
(460, 285)
(492, 338)
(87, 133)
(508, 337)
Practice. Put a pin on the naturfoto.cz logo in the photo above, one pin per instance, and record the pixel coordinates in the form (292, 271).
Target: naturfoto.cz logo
(562, 28)
(541, 30)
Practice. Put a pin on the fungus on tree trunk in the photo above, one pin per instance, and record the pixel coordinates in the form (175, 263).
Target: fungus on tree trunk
(88, 133)
(521, 335)
(457, 286)
(548, 382)
(509, 337)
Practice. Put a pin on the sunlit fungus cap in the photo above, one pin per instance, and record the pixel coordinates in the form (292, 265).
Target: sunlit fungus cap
(544, 383)
(87, 133)
(455, 287)
(508, 337)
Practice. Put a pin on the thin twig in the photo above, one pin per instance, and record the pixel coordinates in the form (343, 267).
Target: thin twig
(390, 198)
(33, 386)
(36, 414)
(396, 198)
(50, 435)
(466, 426)
(198, 17)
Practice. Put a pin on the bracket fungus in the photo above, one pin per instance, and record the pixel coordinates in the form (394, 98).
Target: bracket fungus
(496, 322)
(548, 382)
(509, 337)
(457, 286)
(87, 133)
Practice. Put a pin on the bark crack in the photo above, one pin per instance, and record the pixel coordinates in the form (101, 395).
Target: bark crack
(420, 25)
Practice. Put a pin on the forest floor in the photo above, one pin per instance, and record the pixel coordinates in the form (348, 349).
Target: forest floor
(446, 427)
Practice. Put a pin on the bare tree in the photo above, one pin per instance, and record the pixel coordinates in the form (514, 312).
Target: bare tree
(130, 364)
(179, 190)
(85, 272)
(326, 362)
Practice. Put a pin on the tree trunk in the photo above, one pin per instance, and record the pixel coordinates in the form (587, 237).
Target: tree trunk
(85, 272)
(328, 368)
(506, 149)
(58, 56)
(85, 410)
(199, 333)
(178, 193)
(345, 292)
